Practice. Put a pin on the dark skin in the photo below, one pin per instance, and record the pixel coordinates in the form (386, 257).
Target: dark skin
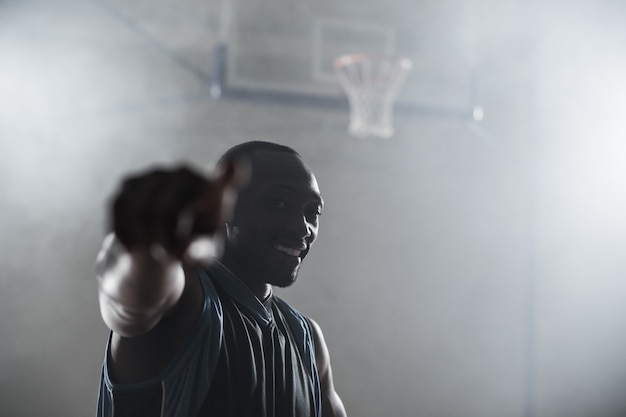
(274, 222)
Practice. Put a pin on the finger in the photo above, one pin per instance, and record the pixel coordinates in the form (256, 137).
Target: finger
(147, 209)
(130, 214)
(217, 203)
(181, 189)
(203, 250)
(232, 173)
(203, 216)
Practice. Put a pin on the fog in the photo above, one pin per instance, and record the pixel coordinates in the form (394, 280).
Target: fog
(463, 268)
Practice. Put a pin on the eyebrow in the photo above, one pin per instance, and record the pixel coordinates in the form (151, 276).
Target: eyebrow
(315, 195)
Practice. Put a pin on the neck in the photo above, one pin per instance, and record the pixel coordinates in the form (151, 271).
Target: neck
(261, 290)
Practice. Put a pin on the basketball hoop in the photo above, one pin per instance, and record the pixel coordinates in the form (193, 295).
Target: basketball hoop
(372, 84)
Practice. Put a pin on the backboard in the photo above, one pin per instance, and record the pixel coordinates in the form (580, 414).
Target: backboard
(275, 46)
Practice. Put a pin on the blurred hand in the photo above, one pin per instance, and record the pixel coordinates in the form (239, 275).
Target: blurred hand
(175, 213)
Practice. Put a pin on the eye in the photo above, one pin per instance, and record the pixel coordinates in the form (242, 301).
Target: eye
(314, 213)
(278, 204)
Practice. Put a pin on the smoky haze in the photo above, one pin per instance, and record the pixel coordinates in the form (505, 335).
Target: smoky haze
(463, 268)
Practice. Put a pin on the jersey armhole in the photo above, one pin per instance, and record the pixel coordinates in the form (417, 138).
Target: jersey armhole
(182, 356)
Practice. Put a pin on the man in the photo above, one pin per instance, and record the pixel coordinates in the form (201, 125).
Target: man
(196, 340)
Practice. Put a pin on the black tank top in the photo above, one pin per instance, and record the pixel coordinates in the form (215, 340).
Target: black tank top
(266, 364)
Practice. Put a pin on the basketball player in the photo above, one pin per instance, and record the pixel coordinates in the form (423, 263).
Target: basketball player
(191, 337)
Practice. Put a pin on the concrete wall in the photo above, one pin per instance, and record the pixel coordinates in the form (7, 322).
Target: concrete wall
(460, 270)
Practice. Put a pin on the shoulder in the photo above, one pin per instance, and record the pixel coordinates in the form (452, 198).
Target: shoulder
(302, 327)
(292, 313)
(289, 311)
(321, 349)
(331, 402)
(315, 327)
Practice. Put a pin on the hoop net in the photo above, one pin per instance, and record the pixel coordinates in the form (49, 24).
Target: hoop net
(372, 84)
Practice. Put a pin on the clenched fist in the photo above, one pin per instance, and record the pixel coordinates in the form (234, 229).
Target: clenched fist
(171, 211)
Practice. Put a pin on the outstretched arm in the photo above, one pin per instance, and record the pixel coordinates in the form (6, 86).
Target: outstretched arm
(145, 295)
(136, 288)
(155, 217)
(332, 406)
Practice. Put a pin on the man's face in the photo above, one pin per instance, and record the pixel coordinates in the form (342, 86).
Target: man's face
(276, 219)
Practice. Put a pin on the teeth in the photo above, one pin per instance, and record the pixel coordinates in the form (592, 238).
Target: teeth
(288, 251)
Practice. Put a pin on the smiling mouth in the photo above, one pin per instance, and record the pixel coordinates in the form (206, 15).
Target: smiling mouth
(289, 251)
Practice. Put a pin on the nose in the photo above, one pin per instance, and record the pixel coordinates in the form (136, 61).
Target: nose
(299, 227)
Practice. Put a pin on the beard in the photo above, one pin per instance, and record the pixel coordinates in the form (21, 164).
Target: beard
(263, 269)
(283, 281)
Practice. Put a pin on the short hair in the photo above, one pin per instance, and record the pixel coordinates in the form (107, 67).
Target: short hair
(247, 149)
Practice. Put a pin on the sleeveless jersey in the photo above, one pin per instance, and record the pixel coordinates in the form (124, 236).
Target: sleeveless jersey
(242, 358)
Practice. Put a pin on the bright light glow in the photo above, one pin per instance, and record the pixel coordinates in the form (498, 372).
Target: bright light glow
(478, 113)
